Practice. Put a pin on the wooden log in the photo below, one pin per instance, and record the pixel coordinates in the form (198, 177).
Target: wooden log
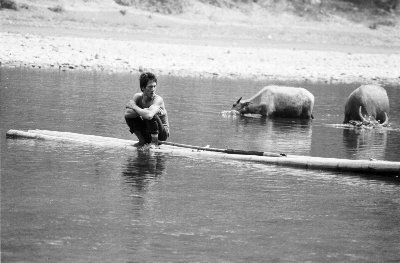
(71, 138)
(374, 167)
(229, 151)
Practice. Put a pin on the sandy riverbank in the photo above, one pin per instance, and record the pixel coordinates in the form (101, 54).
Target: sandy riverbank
(207, 47)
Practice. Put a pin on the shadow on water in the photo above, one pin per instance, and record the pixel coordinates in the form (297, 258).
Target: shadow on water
(143, 169)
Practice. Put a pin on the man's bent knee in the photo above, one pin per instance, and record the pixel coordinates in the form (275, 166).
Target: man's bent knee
(131, 114)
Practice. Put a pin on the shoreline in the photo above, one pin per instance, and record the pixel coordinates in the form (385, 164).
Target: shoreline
(126, 56)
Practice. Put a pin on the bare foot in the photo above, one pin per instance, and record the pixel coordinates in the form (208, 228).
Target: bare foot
(152, 146)
(148, 146)
(139, 144)
(154, 140)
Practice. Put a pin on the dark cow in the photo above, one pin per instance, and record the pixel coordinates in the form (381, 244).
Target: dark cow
(365, 102)
(279, 101)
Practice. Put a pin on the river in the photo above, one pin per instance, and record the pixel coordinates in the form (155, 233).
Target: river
(71, 203)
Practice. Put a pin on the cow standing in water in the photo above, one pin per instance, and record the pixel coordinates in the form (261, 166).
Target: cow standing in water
(279, 101)
(366, 102)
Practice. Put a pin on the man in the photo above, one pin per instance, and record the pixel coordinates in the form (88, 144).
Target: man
(146, 115)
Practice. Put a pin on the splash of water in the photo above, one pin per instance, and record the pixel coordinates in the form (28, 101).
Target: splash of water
(230, 114)
(368, 122)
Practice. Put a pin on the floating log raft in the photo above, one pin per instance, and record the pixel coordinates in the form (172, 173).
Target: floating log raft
(374, 167)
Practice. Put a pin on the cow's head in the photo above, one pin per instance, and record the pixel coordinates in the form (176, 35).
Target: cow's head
(241, 107)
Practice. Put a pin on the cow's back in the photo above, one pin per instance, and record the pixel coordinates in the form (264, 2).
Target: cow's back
(285, 101)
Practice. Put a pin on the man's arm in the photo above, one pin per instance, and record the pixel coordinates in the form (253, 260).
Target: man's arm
(132, 103)
(146, 113)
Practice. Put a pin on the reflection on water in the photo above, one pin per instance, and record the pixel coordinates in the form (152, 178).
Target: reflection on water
(142, 169)
(365, 143)
(286, 135)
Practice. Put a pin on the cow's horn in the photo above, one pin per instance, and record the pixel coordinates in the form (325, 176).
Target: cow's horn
(364, 120)
(239, 100)
(385, 123)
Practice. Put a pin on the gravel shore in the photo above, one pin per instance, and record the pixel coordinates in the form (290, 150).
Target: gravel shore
(67, 53)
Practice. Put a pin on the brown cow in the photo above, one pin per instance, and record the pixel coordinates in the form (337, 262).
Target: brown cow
(279, 101)
(365, 102)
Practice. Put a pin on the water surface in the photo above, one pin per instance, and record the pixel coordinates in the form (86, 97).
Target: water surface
(71, 203)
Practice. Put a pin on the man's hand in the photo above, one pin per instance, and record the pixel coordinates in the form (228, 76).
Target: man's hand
(166, 130)
(161, 111)
(130, 105)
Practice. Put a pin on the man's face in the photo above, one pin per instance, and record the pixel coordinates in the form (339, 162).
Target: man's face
(150, 88)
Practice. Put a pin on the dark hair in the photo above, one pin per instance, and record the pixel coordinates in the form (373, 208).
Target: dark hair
(145, 78)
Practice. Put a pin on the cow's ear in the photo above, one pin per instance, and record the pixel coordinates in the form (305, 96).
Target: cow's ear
(239, 100)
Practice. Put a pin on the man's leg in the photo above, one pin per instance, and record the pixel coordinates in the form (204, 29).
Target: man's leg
(157, 130)
(152, 127)
(163, 131)
(137, 126)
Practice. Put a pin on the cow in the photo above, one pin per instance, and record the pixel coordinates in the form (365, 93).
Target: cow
(366, 102)
(279, 101)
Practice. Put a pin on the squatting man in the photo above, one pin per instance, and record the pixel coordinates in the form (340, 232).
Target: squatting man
(146, 115)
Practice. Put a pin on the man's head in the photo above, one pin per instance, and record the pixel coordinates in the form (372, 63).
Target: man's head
(145, 78)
